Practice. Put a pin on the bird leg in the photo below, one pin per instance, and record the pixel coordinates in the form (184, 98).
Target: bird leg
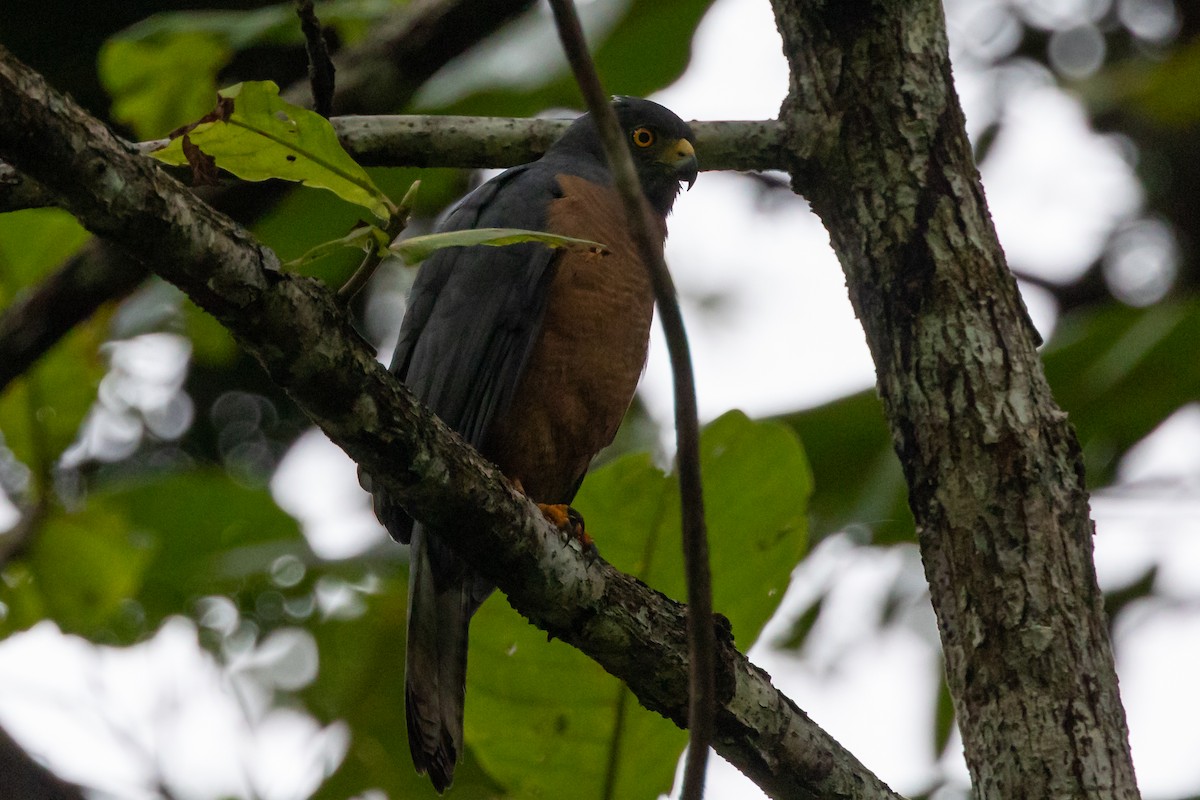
(566, 519)
(570, 522)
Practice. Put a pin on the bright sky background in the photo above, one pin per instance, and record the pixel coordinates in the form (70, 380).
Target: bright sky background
(106, 717)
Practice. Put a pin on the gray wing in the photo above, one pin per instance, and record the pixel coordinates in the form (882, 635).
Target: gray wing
(472, 319)
(474, 312)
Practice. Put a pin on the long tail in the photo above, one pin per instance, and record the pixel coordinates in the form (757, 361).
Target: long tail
(435, 674)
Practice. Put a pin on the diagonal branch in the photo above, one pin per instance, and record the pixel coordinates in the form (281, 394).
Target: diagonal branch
(295, 328)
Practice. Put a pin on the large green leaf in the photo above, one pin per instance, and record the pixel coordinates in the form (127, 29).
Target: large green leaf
(80, 571)
(159, 84)
(210, 536)
(40, 412)
(543, 718)
(162, 72)
(257, 135)
(361, 681)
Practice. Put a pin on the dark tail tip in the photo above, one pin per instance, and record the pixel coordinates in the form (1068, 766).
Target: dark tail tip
(435, 756)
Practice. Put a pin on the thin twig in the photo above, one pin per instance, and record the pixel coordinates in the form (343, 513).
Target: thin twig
(22, 775)
(701, 638)
(480, 143)
(320, 65)
(396, 224)
(457, 141)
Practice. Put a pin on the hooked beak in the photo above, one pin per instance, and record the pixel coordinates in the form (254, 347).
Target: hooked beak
(682, 160)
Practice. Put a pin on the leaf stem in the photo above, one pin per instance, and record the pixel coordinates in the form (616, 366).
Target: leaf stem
(397, 222)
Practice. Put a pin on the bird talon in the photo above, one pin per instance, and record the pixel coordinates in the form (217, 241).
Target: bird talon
(570, 522)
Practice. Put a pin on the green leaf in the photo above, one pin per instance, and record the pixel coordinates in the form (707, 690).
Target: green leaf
(543, 718)
(361, 681)
(41, 411)
(33, 242)
(639, 48)
(419, 248)
(269, 25)
(80, 571)
(159, 83)
(210, 535)
(367, 237)
(257, 135)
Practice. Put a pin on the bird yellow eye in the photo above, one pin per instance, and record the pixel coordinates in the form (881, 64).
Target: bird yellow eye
(643, 137)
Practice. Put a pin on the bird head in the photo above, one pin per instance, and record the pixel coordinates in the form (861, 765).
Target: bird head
(663, 148)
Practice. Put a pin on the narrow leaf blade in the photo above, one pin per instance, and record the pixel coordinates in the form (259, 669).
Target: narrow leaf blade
(419, 248)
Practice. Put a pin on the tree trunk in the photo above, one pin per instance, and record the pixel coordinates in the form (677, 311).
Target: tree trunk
(994, 471)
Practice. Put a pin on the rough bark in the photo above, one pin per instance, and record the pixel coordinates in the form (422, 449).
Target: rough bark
(294, 327)
(994, 471)
(481, 142)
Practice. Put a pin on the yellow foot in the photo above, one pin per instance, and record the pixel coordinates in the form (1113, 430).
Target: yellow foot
(570, 522)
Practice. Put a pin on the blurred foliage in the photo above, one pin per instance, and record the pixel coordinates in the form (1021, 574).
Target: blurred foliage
(1151, 88)
(1118, 371)
(163, 72)
(41, 413)
(638, 47)
(80, 570)
(157, 89)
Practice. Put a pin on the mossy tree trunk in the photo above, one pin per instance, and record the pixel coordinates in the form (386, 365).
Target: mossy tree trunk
(995, 477)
